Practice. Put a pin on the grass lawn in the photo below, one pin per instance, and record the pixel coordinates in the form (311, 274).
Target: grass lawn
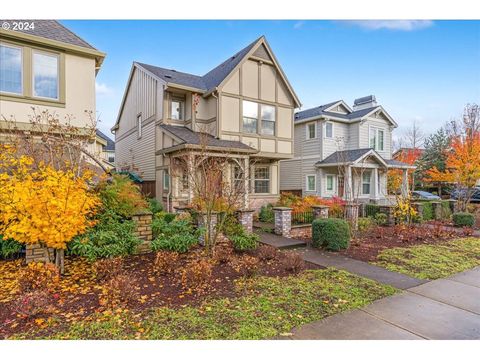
(265, 307)
(432, 261)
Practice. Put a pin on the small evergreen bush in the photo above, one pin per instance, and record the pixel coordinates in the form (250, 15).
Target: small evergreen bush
(9, 248)
(365, 224)
(172, 234)
(427, 211)
(381, 219)
(154, 205)
(266, 214)
(332, 234)
(462, 219)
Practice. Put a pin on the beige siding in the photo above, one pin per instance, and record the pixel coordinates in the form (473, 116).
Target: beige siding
(267, 82)
(141, 99)
(339, 140)
(250, 79)
(284, 119)
(364, 135)
(230, 114)
(232, 85)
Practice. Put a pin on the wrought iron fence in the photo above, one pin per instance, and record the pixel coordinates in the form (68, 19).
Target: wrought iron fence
(302, 217)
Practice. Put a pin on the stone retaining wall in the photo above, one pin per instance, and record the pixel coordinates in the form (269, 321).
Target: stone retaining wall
(301, 231)
(143, 231)
(37, 253)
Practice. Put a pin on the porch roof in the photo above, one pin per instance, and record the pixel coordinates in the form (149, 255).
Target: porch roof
(193, 139)
(350, 157)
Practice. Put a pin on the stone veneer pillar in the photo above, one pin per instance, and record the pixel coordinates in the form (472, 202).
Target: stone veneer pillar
(245, 217)
(418, 206)
(283, 221)
(320, 211)
(437, 210)
(389, 210)
(143, 230)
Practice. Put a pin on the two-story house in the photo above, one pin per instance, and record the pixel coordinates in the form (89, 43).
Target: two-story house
(342, 151)
(245, 107)
(46, 66)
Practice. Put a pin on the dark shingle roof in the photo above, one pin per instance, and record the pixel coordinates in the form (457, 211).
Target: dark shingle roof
(195, 138)
(394, 163)
(320, 110)
(110, 143)
(206, 82)
(51, 29)
(344, 156)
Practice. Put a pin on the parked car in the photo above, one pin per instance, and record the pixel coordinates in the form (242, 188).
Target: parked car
(460, 192)
(424, 195)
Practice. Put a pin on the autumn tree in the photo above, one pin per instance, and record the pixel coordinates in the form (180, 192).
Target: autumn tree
(394, 176)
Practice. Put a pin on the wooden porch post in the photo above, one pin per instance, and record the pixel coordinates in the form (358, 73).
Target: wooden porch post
(349, 184)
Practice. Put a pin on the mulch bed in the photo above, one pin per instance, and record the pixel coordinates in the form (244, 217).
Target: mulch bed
(80, 295)
(366, 246)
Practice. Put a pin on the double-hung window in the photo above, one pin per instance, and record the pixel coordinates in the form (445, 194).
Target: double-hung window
(268, 119)
(366, 182)
(262, 180)
(329, 130)
(45, 75)
(377, 138)
(330, 182)
(11, 74)
(250, 117)
(311, 182)
(311, 130)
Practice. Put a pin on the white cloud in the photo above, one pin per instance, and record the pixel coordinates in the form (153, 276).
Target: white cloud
(401, 25)
(298, 24)
(102, 89)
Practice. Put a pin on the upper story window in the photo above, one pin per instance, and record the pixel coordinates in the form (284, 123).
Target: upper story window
(329, 130)
(139, 125)
(311, 130)
(177, 109)
(11, 78)
(45, 75)
(377, 139)
(255, 113)
(268, 119)
(250, 117)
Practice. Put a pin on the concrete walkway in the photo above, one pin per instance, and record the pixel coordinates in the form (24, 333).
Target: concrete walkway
(441, 309)
(361, 268)
(278, 241)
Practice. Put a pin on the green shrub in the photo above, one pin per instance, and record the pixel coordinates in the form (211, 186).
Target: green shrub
(332, 234)
(427, 211)
(154, 205)
(381, 219)
(266, 214)
(9, 248)
(371, 210)
(365, 224)
(244, 242)
(112, 236)
(446, 211)
(463, 219)
(232, 227)
(120, 195)
(172, 234)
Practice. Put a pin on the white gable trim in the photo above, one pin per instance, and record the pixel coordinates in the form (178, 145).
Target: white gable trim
(340, 102)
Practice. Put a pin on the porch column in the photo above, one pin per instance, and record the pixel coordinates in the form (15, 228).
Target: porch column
(190, 175)
(246, 174)
(375, 183)
(348, 186)
(405, 183)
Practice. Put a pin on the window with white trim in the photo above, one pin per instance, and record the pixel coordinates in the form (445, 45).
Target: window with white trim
(45, 75)
(166, 180)
(366, 182)
(261, 180)
(330, 182)
(11, 74)
(311, 130)
(255, 114)
(311, 182)
(329, 130)
(250, 117)
(139, 126)
(268, 119)
(377, 138)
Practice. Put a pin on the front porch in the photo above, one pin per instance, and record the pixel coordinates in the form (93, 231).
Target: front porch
(359, 175)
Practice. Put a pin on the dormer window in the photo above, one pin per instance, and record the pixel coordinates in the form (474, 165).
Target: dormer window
(177, 109)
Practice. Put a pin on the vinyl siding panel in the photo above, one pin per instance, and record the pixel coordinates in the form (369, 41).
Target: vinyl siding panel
(290, 177)
(364, 136)
(340, 139)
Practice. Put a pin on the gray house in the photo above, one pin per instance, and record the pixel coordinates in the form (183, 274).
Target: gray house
(342, 151)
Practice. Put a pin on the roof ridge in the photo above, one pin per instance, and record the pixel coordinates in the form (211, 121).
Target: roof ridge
(71, 32)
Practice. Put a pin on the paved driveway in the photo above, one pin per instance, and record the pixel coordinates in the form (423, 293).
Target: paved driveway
(441, 309)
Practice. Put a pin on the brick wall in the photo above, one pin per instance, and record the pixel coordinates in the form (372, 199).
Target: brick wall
(143, 230)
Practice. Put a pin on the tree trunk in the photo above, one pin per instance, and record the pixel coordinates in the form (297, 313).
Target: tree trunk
(60, 260)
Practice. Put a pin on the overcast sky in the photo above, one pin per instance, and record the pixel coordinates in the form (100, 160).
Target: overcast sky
(424, 71)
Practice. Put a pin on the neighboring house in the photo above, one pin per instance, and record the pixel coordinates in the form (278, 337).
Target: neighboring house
(245, 105)
(46, 66)
(105, 149)
(404, 154)
(342, 151)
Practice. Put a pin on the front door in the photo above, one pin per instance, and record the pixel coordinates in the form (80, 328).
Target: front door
(341, 186)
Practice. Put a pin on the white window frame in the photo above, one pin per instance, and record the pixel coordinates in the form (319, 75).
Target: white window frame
(21, 68)
(333, 131)
(139, 126)
(166, 179)
(269, 179)
(307, 128)
(327, 190)
(314, 182)
(376, 131)
(274, 121)
(370, 173)
(56, 55)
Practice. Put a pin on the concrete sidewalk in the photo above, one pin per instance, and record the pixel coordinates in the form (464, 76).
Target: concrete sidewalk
(441, 309)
